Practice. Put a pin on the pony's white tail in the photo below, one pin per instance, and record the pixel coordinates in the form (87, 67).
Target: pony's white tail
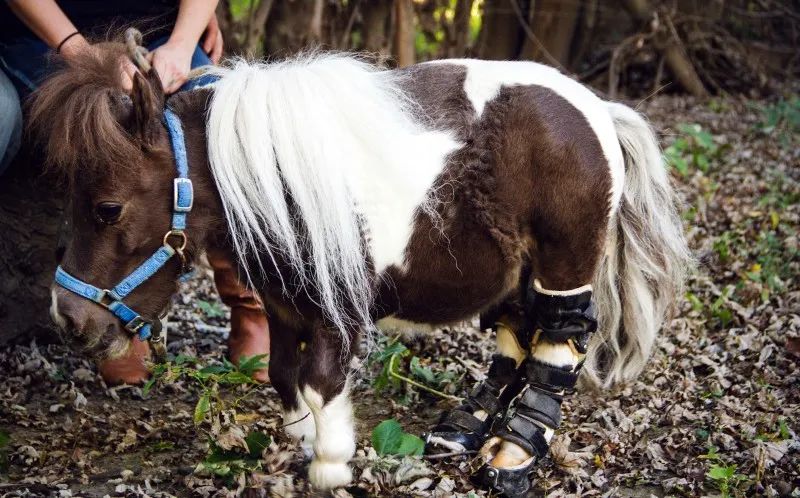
(643, 270)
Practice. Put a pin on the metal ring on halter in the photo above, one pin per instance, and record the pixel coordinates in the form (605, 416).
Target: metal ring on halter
(176, 233)
(137, 53)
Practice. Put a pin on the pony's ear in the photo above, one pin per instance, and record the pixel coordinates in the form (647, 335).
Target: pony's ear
(148, 105)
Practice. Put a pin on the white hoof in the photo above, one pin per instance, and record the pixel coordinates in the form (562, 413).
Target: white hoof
(329, 475)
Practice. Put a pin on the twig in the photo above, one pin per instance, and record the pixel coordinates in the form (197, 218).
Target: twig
(343, 43)
(295, 422)
(414, 383)
(532, 37)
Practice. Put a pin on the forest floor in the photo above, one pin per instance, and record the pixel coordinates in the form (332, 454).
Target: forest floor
(715, 412)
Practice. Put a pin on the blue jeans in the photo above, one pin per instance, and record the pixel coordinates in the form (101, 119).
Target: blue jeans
(27, 62)
(10, 122)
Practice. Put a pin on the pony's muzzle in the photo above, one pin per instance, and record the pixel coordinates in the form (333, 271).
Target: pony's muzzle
(86, 324)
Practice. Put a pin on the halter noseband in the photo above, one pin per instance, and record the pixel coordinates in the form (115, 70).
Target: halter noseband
(183, 197)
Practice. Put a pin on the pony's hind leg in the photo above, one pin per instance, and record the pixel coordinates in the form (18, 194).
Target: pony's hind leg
(324, 387)
(465, 427)
(562, 313)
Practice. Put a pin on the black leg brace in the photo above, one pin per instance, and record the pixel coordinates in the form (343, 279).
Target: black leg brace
(459, 426)
(558, 319)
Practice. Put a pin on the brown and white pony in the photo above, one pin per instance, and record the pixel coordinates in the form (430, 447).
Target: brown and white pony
(352, 194)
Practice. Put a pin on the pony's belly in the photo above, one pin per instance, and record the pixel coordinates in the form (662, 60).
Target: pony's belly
(423, 299)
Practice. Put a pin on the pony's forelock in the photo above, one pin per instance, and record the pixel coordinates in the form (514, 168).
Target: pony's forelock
(75, 115)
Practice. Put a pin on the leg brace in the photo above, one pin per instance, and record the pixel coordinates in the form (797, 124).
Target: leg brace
(558, 318)
(466, 426)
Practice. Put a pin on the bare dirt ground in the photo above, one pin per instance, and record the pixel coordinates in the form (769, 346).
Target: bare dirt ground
(716, 411)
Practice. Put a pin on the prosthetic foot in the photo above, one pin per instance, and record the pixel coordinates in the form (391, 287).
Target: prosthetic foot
(465, 428)
(563, 322)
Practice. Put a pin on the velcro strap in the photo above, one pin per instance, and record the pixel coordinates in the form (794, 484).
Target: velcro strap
(541, 407)
(550, 376)
(526, 434)
(485, 399)
(460, 420)
(502, 367)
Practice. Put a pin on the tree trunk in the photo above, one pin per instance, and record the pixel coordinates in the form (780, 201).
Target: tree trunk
(404, 32)
(461, 28)
(672, 50)
(376, 15)
(30, 220)
(289, 26)
(245, 36)
(500, 35)
(553, 22)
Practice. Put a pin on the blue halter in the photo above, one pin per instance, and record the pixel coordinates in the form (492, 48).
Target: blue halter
(183, 197)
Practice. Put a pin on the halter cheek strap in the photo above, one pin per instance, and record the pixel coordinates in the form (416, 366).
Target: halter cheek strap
(174, 244)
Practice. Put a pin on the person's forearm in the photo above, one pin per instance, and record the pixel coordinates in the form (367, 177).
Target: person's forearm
(45, 18)
(193, 17)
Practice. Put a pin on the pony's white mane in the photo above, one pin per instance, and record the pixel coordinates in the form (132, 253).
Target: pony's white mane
(293, 134)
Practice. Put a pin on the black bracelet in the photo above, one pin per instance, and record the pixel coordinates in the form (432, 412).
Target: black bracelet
(58, 48)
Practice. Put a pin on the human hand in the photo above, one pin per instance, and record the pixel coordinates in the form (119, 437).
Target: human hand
(172, 61)
(77, 45)
(212, 40)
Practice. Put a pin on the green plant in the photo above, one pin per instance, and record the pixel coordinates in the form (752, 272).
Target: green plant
(232, 462)
(5, 439)
(208, 379)
(781, 120)
(725, 478)
(719, 309)
(211, 309)
(388, 438)
(695, 147)
(224, 462)
(393, 359)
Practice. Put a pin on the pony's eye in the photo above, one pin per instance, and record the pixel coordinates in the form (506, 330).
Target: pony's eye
(108, 212)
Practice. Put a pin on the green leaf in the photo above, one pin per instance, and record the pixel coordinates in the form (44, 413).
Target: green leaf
(410, 445)
(257, 442)
(249, 364)
(722, 472)
(389, 351)
(183, 359)
(236, 378)
(213, 370)
(211, 310)
(5, 438)
(148, 385)
(162, 446)
(202, 407)
(425, 374)
(387, 436)
(783, 429)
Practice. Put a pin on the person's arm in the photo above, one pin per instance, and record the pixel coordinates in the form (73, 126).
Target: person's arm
(173, 59)
(46, 19)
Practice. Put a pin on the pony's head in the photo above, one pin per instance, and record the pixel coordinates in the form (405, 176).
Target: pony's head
(113, 149)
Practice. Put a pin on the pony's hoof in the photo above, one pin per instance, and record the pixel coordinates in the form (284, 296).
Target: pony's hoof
(329, 475)
(511, 483)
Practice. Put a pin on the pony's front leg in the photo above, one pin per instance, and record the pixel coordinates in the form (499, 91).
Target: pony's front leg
(284, 373)
(325, 388)
(563, 322)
